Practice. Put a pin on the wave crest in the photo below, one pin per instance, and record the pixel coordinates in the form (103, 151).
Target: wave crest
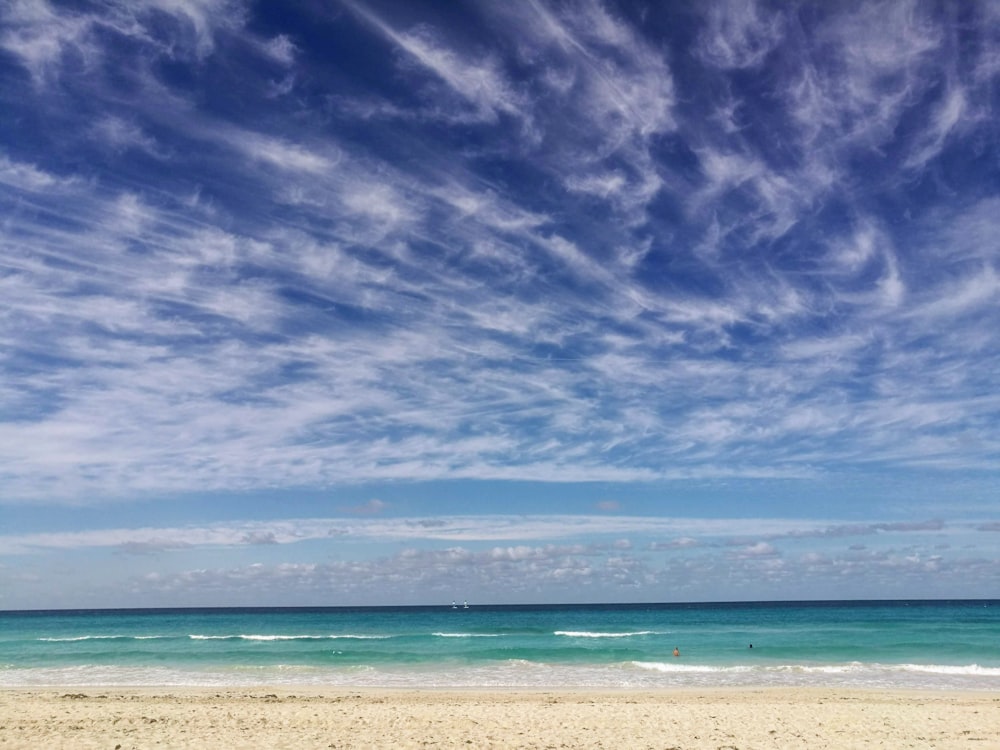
(589, 634)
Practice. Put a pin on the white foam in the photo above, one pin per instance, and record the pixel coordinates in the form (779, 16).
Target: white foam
(83, 638)
(281, 637)
(588, 634)
(104, 638)
(516, 673)
(244, 637)
(662, 666)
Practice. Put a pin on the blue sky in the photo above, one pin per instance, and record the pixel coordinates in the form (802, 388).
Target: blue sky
(404, 302)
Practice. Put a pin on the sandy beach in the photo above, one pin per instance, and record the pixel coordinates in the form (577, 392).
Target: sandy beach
(340, 718)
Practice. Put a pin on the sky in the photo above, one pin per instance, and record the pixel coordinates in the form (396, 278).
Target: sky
(381, 302)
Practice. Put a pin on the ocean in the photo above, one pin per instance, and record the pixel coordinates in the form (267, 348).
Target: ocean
(934, 645)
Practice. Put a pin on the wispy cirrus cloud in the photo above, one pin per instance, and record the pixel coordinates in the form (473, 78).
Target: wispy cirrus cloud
(37, 34)
(361, 523)
(739, 34)
(606, 260)
(47, 37)
(479, 83)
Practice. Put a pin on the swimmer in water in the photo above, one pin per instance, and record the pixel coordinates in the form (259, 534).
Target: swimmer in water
(677, 651)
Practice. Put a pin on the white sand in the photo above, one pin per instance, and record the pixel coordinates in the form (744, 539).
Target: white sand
(340, 718)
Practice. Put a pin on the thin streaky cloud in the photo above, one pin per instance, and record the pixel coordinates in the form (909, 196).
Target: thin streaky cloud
(352, 526)
(739, 34)
(737, 258)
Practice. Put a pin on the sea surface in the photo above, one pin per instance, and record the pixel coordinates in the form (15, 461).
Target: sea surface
(930, 645)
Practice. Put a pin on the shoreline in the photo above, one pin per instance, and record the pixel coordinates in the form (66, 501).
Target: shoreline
(502, 693)
(515, 678)
(339, 717)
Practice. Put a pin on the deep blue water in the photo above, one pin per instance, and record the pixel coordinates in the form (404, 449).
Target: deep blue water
(912, 644)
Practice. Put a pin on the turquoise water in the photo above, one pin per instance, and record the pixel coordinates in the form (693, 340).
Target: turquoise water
(923, 645)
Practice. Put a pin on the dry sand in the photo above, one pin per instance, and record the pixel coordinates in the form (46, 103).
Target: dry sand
(341, 718)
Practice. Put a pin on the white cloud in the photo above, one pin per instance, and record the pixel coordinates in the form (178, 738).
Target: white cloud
(739, 34)
(876, 62)
(867, 253)
(596, 534)
(120, 135)
(960, 297)
(23, 176)
(480, 82)
(945, 119)
(281, 48)
(200, 19)
(624, 77)
(279, 153)
(548, 572)
(45, 37)
(39, 35)
(500, 574)
(327, 312)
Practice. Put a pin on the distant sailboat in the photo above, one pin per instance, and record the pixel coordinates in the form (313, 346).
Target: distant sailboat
(454, 605)
(465, 606)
